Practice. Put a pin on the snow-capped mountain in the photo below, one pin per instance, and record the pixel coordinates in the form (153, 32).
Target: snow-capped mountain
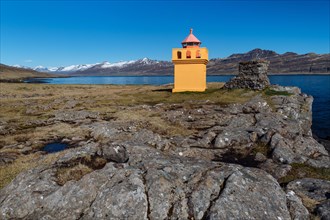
(136, 67)
(44, 69)
(102, 67)
(65, 69)
(279, 63)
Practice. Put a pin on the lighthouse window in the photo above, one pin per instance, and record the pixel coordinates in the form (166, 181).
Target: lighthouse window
(198, 54)
(188, 54)
(179, 54)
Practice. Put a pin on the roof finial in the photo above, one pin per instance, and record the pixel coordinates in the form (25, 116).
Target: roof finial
(191, 30)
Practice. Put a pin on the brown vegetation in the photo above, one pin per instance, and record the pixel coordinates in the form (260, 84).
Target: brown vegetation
(9, 73)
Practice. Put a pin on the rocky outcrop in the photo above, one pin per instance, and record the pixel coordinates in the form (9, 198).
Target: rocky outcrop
(251, 75)
(217, 162)
(314, 193)
(151, 185)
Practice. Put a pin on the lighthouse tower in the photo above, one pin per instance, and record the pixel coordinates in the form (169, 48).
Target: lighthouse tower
(190, 65)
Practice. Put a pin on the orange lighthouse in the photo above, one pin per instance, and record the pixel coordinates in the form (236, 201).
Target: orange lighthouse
(190, 65)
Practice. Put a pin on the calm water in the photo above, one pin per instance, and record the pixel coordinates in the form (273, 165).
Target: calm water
(54, 147)
(316, 85)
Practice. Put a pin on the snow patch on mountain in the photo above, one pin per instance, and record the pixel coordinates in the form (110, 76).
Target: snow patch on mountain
(117, 64)
(82, 67)
(73, 68)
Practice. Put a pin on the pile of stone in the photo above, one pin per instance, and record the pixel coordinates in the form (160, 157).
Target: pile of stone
(252, 75)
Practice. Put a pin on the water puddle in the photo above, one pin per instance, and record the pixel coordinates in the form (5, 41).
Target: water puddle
(54, 147)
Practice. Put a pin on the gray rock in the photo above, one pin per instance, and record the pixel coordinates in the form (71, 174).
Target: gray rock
(256, 105)
(76, 154)
(233, 139)
(203, 198)
(276, 170)
(300, 150)
(114, 152)
(282, 151)
(26, 193)
(123, 196)
(260, 157)
(74, 198)
(73, 116)
(103, 131)
(316, 191)
(207, 139)
(297, 210)
(151, 186)
(235, 199)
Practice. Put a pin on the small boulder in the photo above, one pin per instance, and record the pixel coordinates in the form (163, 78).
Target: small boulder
(114, 152)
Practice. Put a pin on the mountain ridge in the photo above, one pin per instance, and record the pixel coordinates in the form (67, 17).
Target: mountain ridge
(16, 74)
(288, 62)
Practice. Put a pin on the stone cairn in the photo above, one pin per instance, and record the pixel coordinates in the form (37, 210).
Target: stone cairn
(252, 75)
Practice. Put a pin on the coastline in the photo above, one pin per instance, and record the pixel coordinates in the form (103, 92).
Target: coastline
(171, 74)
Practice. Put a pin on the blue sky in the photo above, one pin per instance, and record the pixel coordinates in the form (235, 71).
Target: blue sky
(60, 33)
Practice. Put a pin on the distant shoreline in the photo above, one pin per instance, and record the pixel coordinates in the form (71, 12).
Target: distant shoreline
(41, 79)
(229, 74)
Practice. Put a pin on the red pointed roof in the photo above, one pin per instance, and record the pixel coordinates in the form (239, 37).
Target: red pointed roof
(191, 38)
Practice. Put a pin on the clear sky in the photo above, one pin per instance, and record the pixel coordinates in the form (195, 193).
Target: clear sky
(60, 33)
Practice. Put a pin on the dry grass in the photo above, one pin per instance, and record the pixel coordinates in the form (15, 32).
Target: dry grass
(65, 174)
(9, 171)
(153, 121)
(309, 203)
(44, 133)
(8, 73)
(261, 148)
(111, 95)
(299, 171)
(75, 170)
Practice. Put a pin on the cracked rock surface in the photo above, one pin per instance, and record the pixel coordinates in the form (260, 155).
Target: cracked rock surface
(150, 186)
(193, 160)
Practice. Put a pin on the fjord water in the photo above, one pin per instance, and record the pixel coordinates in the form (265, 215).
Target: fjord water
(316, 85)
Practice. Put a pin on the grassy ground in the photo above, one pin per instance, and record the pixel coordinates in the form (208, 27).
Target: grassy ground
(25, 162)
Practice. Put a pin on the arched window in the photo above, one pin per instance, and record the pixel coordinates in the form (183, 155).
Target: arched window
(188, 54)
(198, 54)
(179, 54)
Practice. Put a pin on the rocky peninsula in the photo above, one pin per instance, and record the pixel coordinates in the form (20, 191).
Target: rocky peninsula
(141, 152)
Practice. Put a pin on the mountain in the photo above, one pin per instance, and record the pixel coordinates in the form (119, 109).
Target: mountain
(287, 63)
(143, 66)
(67, 69)
(279, 63)
(10, 73)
